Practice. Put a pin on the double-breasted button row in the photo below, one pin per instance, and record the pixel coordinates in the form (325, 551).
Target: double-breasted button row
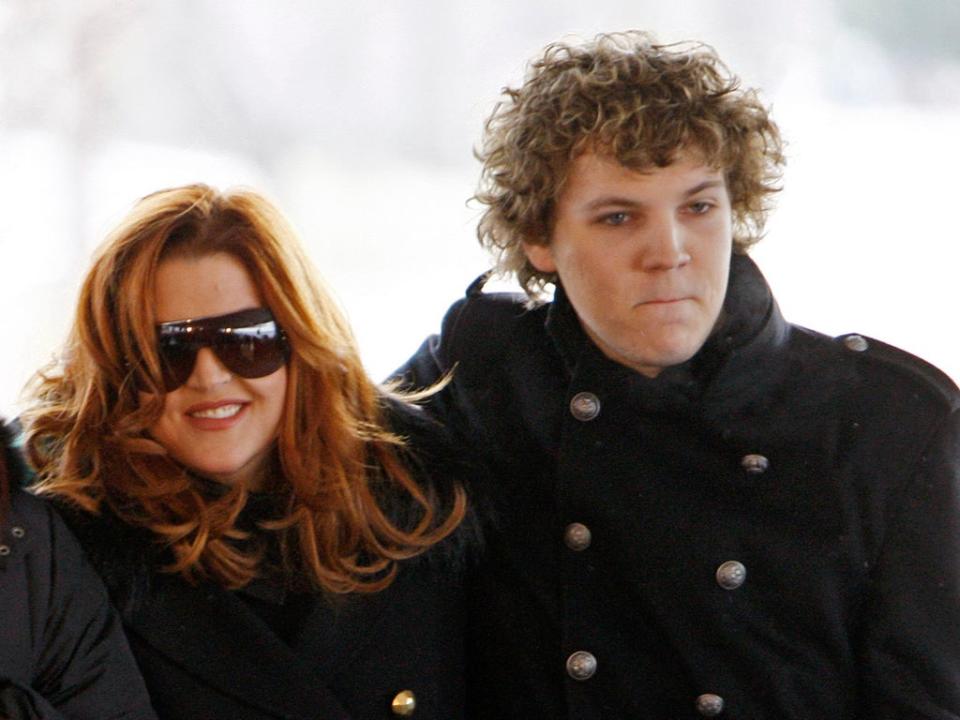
(581, 665)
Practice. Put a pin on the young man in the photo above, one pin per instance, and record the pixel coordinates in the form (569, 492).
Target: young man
(695, 508)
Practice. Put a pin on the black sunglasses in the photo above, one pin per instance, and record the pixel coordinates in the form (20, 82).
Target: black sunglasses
(249, 344)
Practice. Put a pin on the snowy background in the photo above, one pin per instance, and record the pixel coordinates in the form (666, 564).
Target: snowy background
(359, 120)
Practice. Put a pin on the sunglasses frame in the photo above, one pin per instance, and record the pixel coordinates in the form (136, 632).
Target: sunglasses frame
(220, 333)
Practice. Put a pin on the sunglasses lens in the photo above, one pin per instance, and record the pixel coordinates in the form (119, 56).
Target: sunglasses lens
(177, 358)
(252, 352)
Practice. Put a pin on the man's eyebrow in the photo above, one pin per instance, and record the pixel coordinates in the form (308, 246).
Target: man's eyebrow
(618, 201)
(705, 185)
(608, 200)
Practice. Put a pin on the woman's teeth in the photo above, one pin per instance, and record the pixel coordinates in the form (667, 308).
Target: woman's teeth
(218, 413)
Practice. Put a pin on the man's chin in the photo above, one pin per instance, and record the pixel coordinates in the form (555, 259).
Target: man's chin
(651, 364)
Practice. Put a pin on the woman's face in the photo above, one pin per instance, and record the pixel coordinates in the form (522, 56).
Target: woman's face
(218, 424)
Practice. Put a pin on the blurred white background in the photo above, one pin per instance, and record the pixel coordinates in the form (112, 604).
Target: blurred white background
(359, 120)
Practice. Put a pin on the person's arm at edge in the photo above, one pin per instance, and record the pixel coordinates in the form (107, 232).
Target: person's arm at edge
(911, 632)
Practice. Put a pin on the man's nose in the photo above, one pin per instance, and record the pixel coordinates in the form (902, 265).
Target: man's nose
(664, 243)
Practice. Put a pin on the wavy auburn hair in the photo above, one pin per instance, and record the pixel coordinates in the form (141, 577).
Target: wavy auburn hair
(339, 464)
(623, 96)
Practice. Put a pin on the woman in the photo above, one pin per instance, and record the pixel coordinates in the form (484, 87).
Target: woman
(273, 543)
(62, 650)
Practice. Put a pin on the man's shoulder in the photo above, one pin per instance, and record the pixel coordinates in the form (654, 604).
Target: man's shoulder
(491, 322)
(480, 308)
(884, 368)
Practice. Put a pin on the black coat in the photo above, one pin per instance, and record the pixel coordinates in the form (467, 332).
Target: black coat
(62, 649)
(208, 653)
(770, 530)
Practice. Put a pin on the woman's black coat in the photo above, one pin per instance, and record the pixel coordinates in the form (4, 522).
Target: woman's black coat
(770, 530)
(206, 654)
(62, 649)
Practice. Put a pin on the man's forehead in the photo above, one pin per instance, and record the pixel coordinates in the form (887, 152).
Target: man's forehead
(596, 172)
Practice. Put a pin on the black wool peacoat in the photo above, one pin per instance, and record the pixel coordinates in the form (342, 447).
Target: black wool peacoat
(770, 530)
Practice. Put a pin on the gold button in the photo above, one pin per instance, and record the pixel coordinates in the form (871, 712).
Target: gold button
(404, 703)
(17, 531)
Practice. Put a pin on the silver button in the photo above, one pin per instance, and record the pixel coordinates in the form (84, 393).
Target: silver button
(857, 343)
(585, 406)
(731, 575)
(581, 665)
(577, 536)
(755, 464)
(709, 705)
(4, 550)
(17, 531)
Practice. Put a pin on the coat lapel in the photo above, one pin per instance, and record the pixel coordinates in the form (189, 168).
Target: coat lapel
(215, 637)
(342, 627)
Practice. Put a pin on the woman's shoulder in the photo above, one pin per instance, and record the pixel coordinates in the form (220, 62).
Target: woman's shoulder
(424, 437)
(427, 450)
(441, 470)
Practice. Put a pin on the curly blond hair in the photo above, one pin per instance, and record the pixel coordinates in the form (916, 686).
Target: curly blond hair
(624, 96)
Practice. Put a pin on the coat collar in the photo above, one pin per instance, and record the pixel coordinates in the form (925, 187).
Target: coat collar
(736, 365)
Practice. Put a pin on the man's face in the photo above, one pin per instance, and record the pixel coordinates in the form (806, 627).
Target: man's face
(643, 256)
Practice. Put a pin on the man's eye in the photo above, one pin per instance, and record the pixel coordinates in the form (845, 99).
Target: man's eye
(617, 218)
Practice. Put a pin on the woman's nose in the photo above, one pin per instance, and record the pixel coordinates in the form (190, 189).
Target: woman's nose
(208, 371)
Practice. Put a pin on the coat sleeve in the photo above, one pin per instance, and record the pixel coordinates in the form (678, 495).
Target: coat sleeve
(23, 703)
(84, 668)
(911, 658)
